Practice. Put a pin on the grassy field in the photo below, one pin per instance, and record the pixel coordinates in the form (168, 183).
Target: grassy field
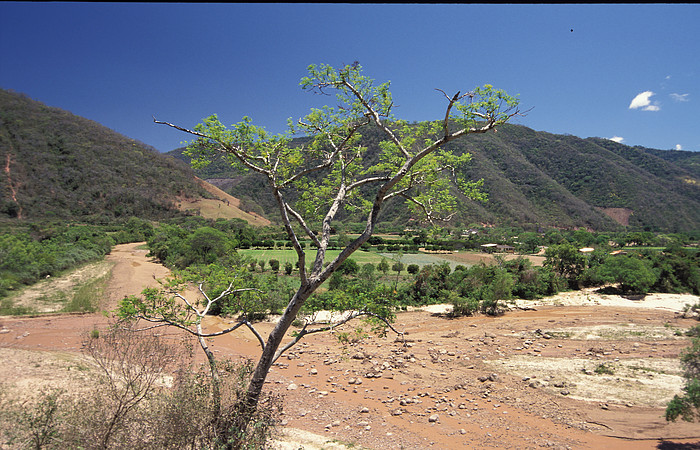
(361, 257)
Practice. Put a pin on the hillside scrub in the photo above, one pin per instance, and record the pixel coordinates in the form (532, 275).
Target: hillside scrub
(92, 172)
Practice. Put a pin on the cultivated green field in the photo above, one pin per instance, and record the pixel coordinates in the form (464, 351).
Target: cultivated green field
(284, 256)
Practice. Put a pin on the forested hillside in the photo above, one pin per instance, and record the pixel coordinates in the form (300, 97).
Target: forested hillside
(58, 165)
(537, 179)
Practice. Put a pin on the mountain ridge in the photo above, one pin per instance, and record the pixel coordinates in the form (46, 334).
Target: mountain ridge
(57, 165)
(539, 179)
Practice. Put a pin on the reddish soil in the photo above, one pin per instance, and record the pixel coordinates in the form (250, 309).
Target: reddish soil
(446, 386)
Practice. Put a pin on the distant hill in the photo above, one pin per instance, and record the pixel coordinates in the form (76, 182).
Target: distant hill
(537, 179)
(62, 166)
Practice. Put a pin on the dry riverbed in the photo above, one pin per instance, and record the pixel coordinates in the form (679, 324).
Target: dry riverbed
(580, 370)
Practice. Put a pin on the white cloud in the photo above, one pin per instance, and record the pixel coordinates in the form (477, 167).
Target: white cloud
(643, 101)
(617, 139)
(679, 147)
(680, 97)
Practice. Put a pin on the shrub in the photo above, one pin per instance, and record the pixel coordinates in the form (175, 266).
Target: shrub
(123, 407)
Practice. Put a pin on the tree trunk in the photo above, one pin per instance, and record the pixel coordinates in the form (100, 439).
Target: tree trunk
(250, 402)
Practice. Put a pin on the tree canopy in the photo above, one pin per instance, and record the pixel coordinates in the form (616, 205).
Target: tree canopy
(314, 181)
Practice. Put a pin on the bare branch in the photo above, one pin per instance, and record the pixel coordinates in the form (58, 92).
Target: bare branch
(255, 332)
(238, 152)
(374, 116)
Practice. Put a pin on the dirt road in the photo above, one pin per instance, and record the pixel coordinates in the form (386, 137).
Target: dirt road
(528, 379)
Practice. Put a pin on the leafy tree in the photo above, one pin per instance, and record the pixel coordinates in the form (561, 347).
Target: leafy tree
(687, 406)
(288, 267)
(383, 266)
(633, 274)
(274, 265)
(567, 262)
(313, 183)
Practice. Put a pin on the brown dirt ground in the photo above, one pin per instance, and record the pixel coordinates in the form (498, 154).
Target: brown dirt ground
(524, 380)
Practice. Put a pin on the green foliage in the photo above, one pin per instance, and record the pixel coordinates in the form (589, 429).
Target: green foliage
(567, 262)
(87, 298)
(383, 266)
(176, 246)
(634, 275)
(24, 260)
(687, 406)
(604, 369)
(678, 270)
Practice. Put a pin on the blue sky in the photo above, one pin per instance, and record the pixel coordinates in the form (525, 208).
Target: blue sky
(629, 72)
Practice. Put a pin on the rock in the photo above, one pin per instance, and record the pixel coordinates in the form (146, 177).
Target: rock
(313, 372)
(292, 387)
(364, 410)
(397, 412)
(434, 418)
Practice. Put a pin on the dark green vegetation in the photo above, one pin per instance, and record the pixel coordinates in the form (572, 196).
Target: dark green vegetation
(60, 166)
(658, 263)
(536, 179)
(687, 406)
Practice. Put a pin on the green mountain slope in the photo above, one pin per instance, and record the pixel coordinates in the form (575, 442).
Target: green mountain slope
(538, 179)
(58, 165)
